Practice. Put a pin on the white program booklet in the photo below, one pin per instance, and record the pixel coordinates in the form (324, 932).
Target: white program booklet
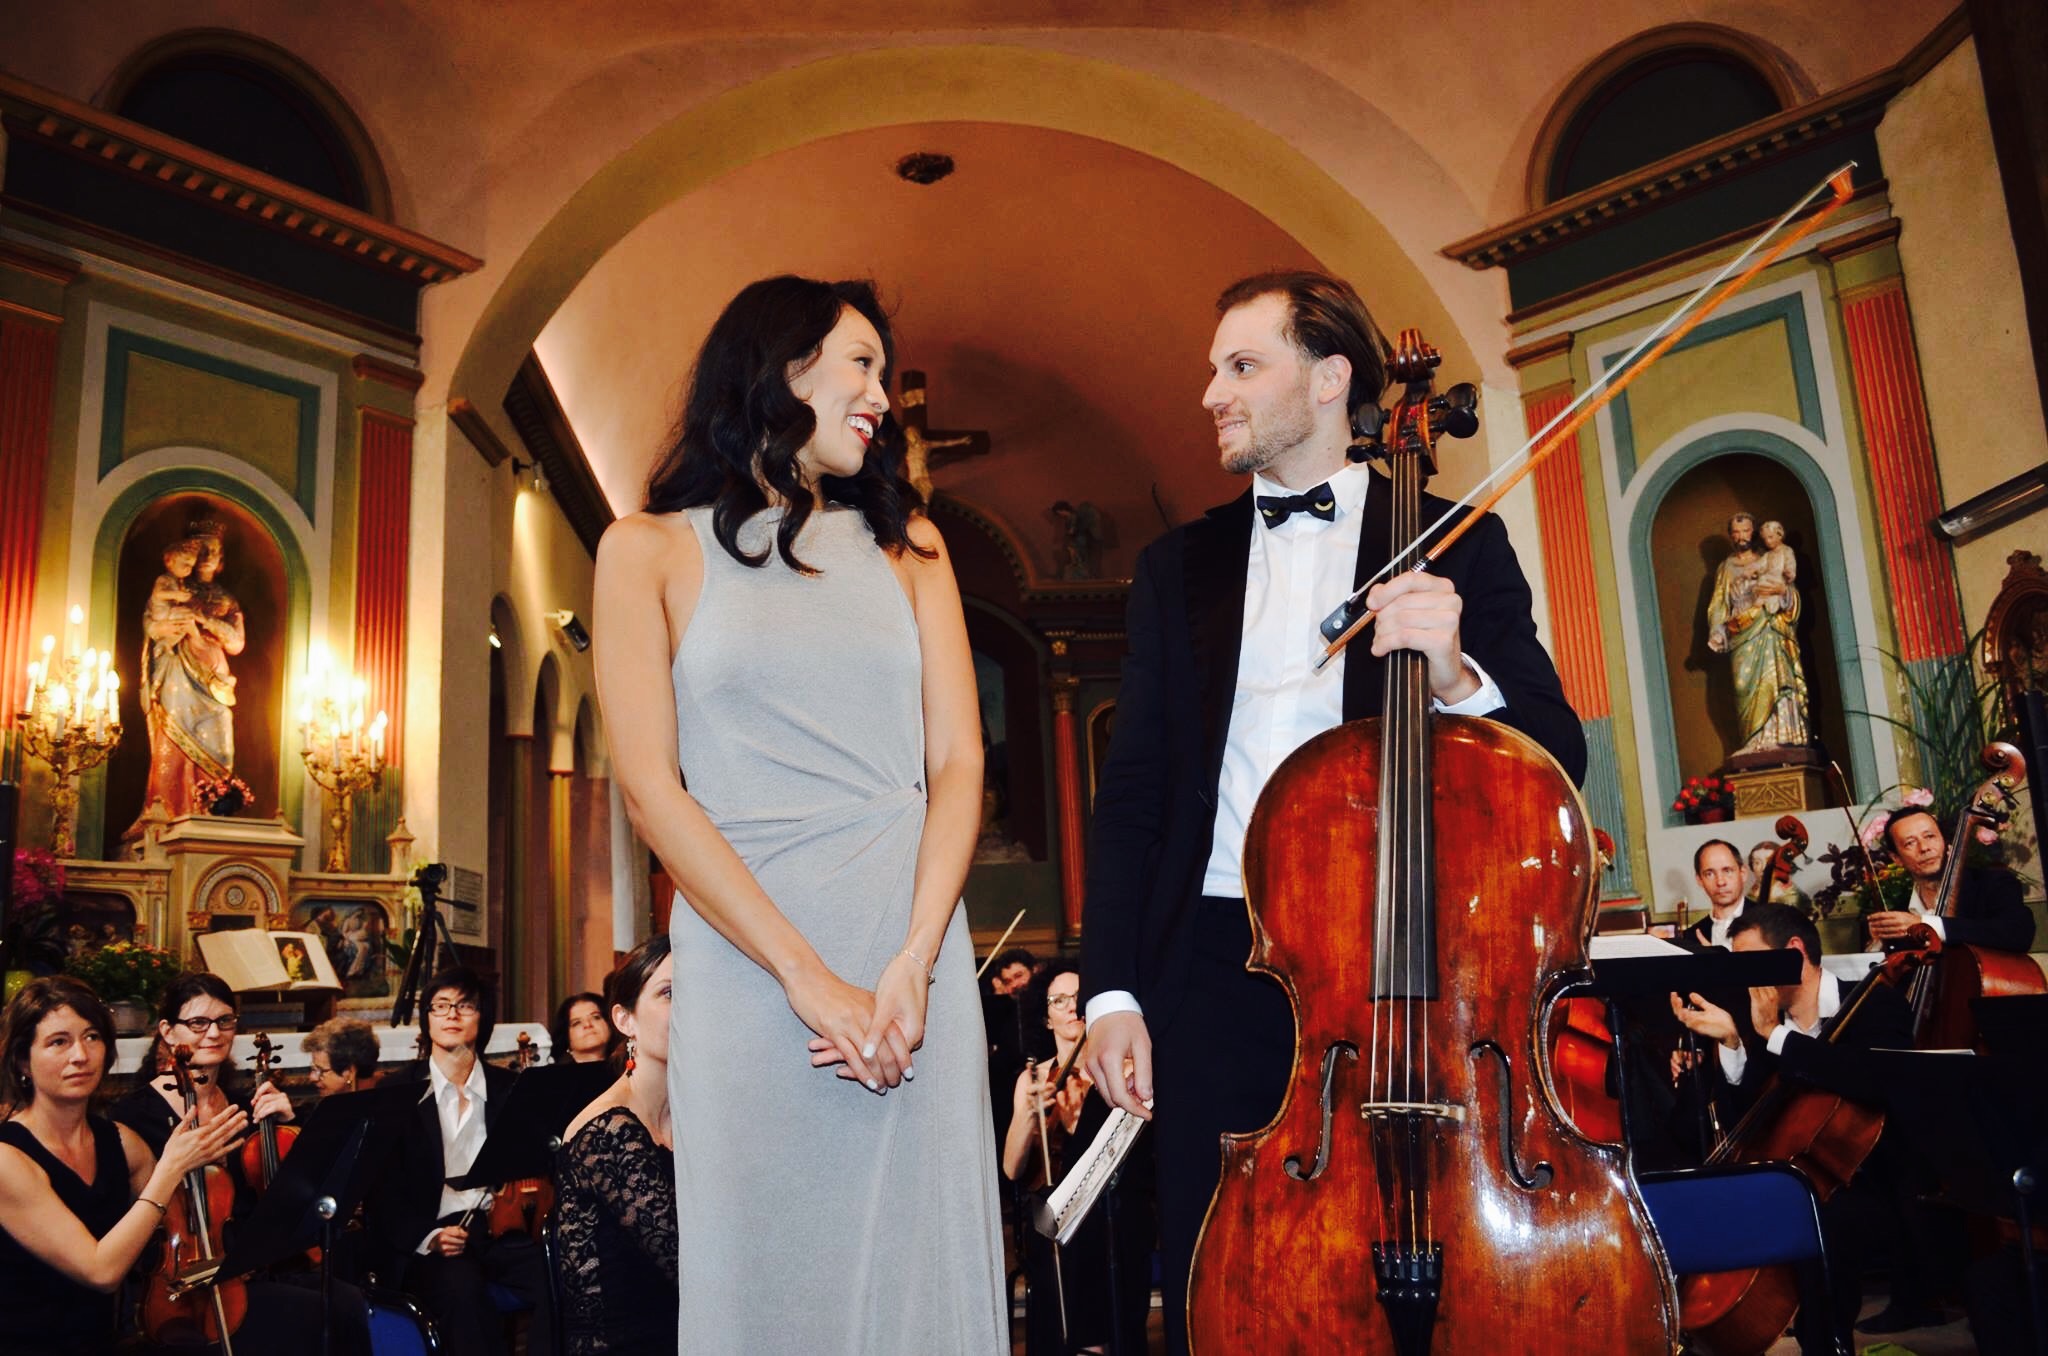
(1061, 1212)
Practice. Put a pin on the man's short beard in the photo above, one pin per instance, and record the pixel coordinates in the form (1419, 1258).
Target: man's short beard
(1293, 424)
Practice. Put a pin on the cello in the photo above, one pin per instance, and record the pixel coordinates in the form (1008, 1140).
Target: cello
(1784, 859)
(182, 1302)
(1420, 1190)
(1827, 1136)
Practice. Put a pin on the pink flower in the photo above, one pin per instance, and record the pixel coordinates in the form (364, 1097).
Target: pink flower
(1873, 832)
(1919, 795)
(1986, 834)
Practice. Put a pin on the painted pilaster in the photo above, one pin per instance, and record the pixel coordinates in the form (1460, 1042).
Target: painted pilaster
(561, 945)
(383, 546)
(29, 328)
(1066, 762)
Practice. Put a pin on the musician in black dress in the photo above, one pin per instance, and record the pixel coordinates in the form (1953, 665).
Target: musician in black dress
(581, 1032)
(1990, 908)
(615, 1204)
(80, 1196)
(429, 1237)
(199, 1012)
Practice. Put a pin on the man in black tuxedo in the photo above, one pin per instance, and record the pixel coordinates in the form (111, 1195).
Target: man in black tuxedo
(1990, 905)
(1219, 686)
(1717, 866)
(416, 1220)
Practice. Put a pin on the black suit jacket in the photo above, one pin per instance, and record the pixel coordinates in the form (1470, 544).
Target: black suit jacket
(1884, 1022)
(1991, 911)
(1155, 800)
(405, 1200)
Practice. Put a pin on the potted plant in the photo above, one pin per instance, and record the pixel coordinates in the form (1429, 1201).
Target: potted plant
(129, 976)
(30, 941)
(1705, 800)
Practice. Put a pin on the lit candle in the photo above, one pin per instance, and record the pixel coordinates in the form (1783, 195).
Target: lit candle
(76, 619)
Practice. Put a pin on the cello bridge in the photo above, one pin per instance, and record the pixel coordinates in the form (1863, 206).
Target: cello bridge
(1390, 1111)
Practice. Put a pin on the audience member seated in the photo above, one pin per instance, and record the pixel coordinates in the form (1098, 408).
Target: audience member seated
(615, 1207)
(423, 1234)
(581, 1033)
(80, 1196)
(343, 1055)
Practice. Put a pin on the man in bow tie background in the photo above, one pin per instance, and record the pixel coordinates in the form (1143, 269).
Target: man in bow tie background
(1220, 685)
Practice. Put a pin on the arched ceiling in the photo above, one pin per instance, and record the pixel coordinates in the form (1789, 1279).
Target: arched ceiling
(1058, 291)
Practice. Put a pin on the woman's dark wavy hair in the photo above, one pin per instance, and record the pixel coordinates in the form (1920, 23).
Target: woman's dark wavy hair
(1037, 1014)
(558, 1029)
(741, 428)
(38, 999)
(627, 983)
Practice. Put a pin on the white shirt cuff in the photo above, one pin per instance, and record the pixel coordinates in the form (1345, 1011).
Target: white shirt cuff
(1733, 1062)
(1111, 1000)
(427, 1243)
(1776, 1042)
(1938, 923)
(1486, 700)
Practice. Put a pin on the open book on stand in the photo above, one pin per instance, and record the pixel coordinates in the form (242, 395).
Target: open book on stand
(254, 958)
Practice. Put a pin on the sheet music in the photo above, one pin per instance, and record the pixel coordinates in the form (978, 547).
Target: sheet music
(1061, 1212)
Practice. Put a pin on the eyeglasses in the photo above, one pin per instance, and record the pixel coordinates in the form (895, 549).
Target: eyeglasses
(444, 1008)
(199, 1026)
(1062, 1000)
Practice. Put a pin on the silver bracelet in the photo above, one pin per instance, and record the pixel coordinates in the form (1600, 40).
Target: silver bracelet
(906, 951)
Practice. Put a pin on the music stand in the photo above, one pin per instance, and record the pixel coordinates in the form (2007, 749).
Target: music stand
(321, 1180)
(431, 933)
(529, 1129)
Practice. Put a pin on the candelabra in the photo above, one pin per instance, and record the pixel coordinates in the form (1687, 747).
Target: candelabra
(342, 755)
(71, 721)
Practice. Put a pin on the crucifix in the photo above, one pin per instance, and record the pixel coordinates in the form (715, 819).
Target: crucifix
(927, 448)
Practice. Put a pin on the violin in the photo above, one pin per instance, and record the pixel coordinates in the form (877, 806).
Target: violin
(262, 1151)
(1828, 1136)
(182, 1302)
(1419, 1190)
(1941, 997)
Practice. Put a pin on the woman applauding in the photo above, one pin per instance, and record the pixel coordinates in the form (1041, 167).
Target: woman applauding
(616, 1214)
(79, 1195)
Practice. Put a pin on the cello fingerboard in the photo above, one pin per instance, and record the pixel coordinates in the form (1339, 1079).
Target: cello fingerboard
(1404, 914)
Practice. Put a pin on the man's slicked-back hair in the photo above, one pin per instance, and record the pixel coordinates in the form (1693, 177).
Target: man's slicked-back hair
(1778, 924)
(1325, 317)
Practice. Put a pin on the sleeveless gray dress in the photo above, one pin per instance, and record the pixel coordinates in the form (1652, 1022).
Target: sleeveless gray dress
(814, 1216)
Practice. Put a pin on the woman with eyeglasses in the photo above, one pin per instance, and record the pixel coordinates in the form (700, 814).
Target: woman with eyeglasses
(80, 1196)
(199, 1012)
(342, 1055)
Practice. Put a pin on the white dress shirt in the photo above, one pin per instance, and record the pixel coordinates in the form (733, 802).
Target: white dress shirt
(462, 1136)
(1923, 914)
(1717, 928)
(1735, 1062)
(1296, 575)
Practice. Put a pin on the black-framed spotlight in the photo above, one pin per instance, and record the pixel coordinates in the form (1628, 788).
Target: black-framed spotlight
(540, 479)
(572, 630)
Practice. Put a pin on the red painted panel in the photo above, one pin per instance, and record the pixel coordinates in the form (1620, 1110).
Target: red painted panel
(383, 535)
(28, 374)
(1066, 761)
(1568, 565)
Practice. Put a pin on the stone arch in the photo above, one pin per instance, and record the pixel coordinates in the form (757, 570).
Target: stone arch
(1787, 84)
(903, 85)
(1830, 517)
(514, 650)
(325, 108)
(592, 757)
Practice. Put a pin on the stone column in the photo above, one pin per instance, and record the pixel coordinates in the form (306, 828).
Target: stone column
(1066, 762)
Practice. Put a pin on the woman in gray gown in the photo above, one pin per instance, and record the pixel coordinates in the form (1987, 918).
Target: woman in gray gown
(784, 618)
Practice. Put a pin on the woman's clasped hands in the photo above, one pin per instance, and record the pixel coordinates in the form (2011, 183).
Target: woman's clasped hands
(868, 1036)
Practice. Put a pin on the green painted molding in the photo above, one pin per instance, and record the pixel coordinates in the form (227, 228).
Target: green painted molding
(106, 553)
(1827, 520)
(114, 402)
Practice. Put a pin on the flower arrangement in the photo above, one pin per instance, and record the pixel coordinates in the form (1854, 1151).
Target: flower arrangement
(1705, 799)
(134, 972)
(1871, 879)
(223, 796)
(29, 936)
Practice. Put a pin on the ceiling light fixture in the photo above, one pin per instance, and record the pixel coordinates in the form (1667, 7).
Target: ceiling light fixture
(924, 167)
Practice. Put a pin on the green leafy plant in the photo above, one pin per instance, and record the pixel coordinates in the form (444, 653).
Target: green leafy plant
(1956, 711)
(126, 971)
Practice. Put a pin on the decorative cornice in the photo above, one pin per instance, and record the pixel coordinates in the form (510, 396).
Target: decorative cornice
(544, 428)
(406, 379)
(53, 267)
(478, 430)
(1541, 349)
(1929, 51)
(34, 113)
(1655, 185)
(1879, 233)
(30, 313)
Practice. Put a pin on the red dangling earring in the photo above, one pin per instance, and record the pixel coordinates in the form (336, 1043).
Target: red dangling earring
(629, 1056)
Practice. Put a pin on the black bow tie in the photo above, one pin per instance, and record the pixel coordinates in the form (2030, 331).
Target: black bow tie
(1278, 508)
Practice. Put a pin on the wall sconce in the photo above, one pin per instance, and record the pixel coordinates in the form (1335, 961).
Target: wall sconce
(2009, 499)
(540, 480)
(572, 630)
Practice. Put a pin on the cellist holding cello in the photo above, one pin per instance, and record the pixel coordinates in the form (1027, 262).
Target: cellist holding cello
(1221, 684)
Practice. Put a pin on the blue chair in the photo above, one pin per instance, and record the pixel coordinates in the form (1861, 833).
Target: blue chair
(1736, 1217)
(398, 1327)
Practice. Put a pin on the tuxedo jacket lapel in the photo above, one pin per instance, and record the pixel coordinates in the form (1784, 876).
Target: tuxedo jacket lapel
(1218, 553)
(1365, 676)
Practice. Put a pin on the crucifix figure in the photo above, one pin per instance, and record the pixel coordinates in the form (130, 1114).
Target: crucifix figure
(928, 448)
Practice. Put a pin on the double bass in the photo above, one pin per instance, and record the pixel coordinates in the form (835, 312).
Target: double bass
(1941, 996)
(1422, 886)
(182, 1302)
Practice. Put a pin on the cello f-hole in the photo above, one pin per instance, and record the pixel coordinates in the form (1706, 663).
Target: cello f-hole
(1537, 1177)
(1329, 1102)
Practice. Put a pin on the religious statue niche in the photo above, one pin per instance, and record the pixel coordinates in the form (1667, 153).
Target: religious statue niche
(201, 606)
(1753, 618)
(1743, 619)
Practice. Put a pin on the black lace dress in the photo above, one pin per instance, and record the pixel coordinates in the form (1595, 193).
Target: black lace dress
(615, 1226)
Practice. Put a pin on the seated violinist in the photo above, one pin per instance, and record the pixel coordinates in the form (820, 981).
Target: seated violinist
(80, 1197)
(1989, 911)
(199, 1014)
(428, 1237)
(1862, 1218)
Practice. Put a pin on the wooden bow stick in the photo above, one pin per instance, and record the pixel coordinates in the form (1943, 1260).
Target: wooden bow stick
(1351, 617)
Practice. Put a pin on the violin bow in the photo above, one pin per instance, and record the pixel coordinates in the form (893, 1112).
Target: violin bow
(1351, 616)
(1045, 1153)
(997, 949)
